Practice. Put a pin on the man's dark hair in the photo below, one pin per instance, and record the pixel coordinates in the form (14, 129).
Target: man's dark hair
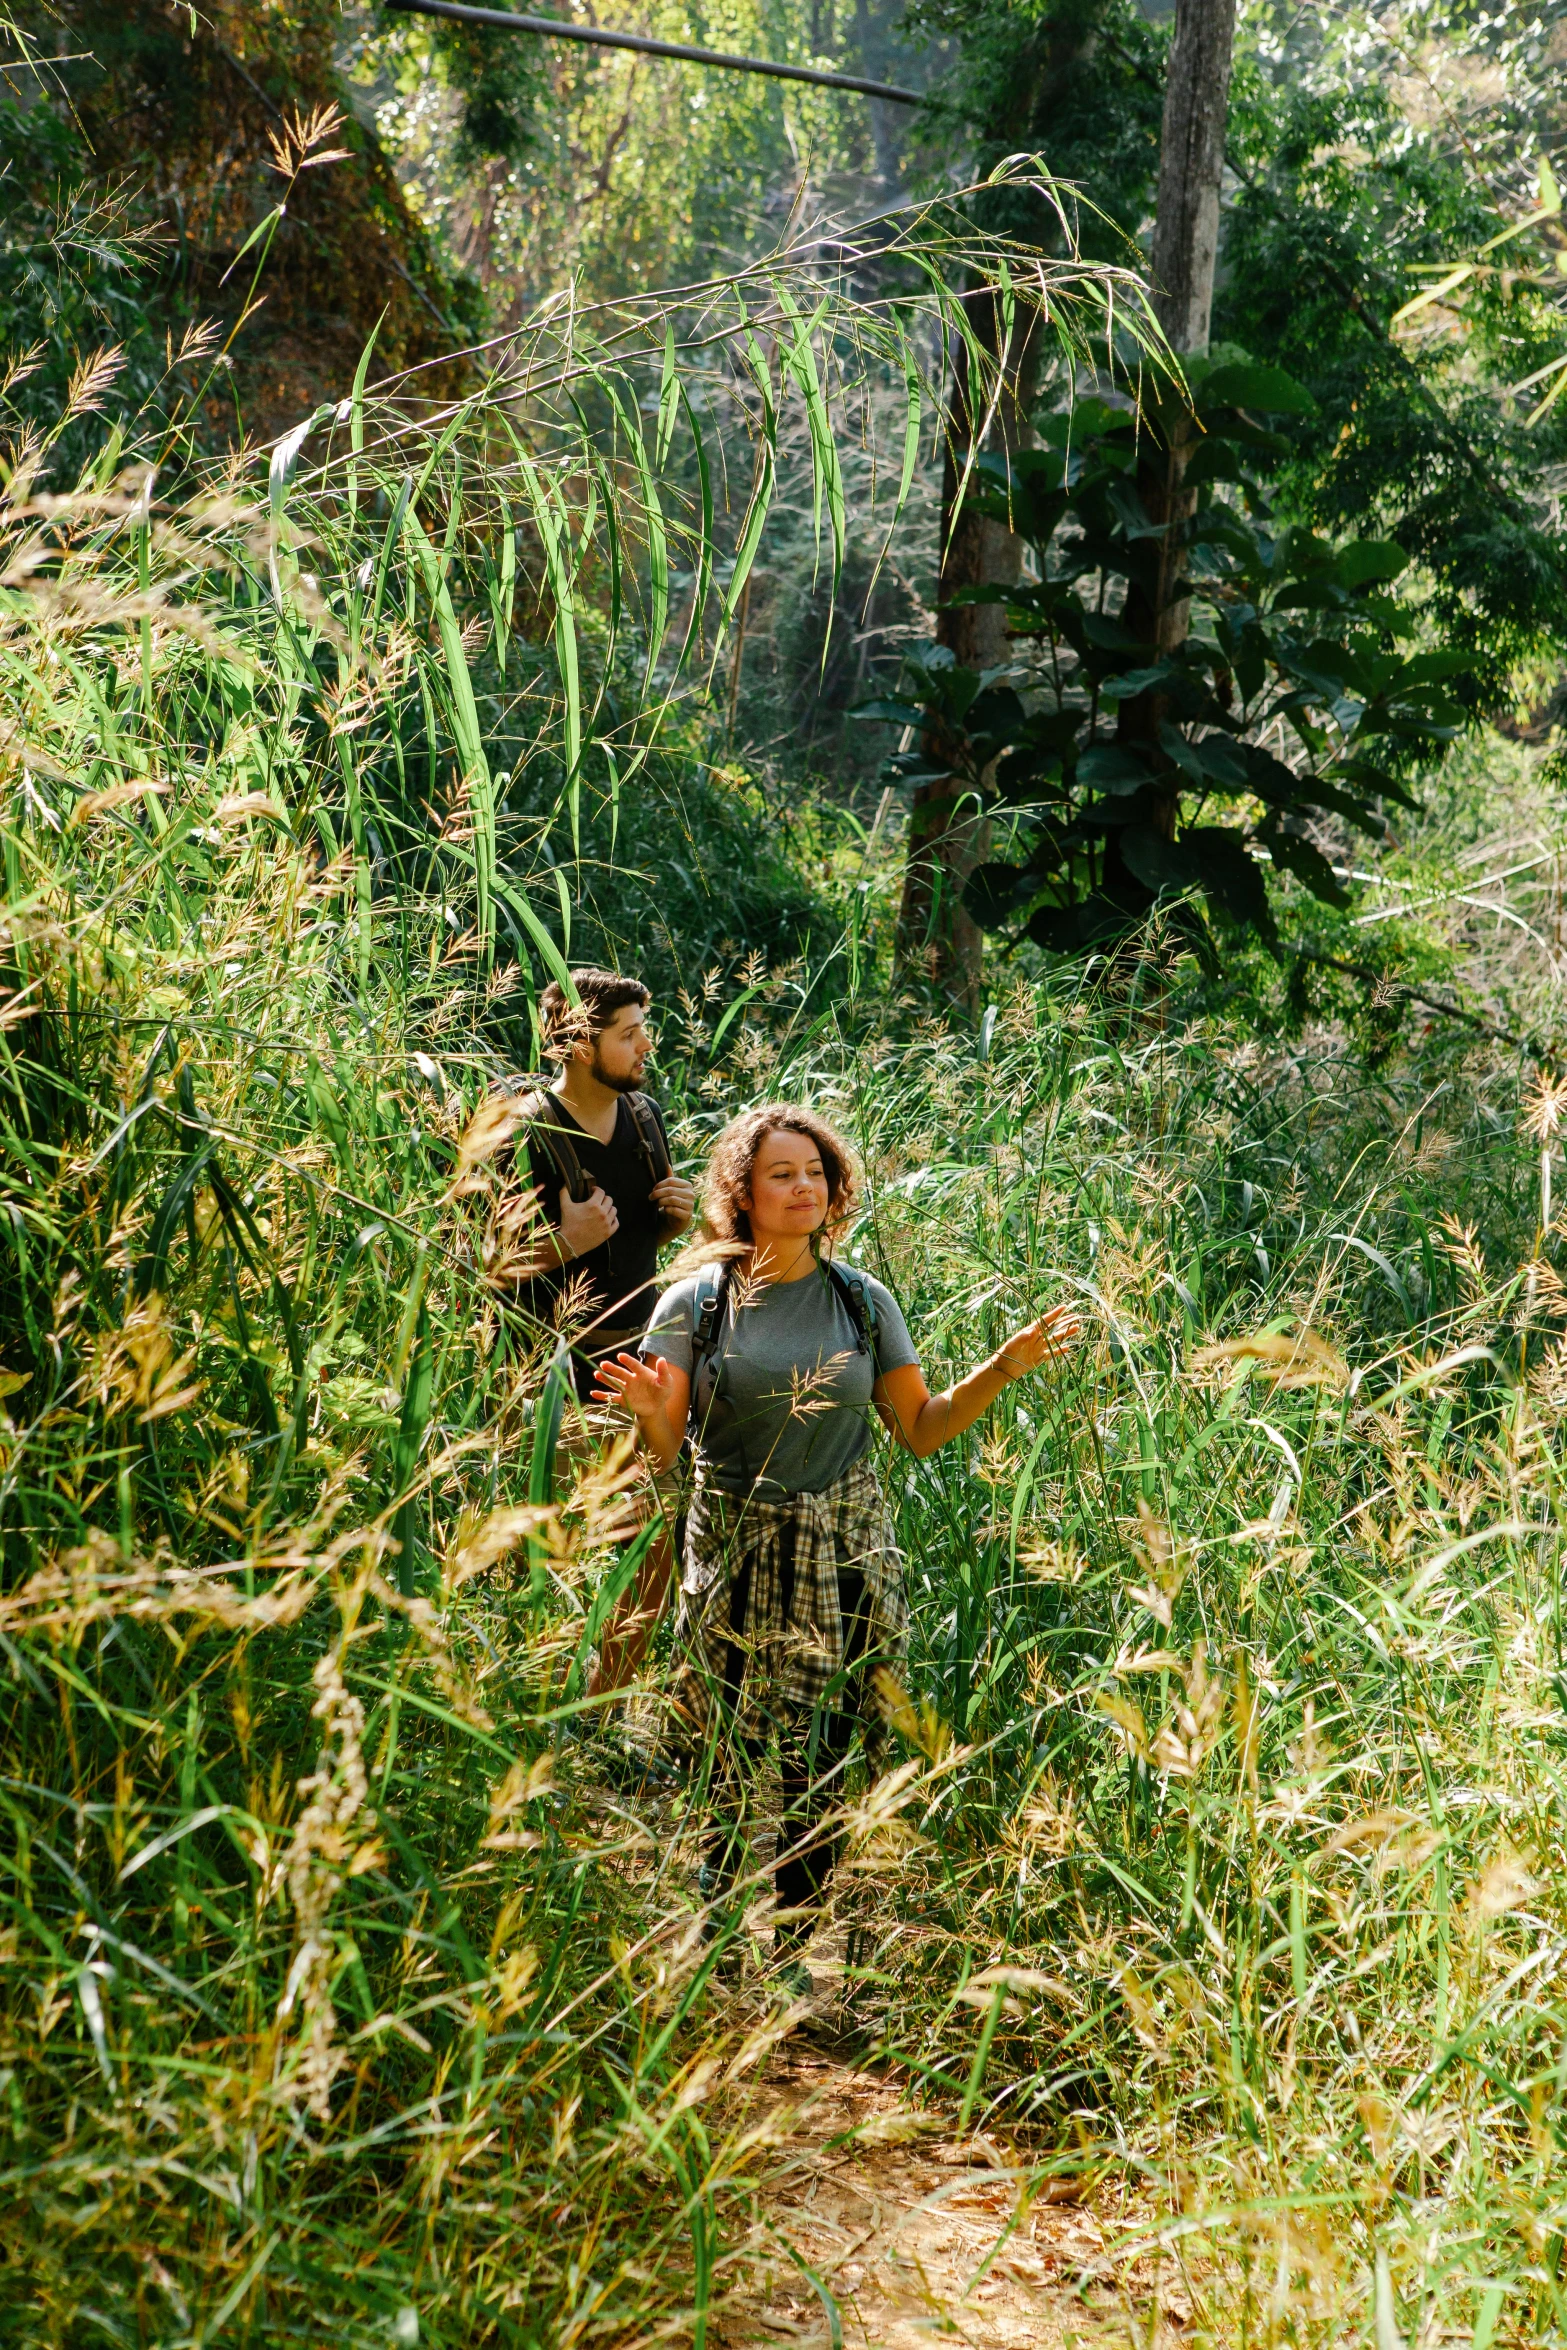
(564, 1025)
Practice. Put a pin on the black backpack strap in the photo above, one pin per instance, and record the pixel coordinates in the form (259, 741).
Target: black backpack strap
(854, 1291)
(542, 1115)
(650, 1134)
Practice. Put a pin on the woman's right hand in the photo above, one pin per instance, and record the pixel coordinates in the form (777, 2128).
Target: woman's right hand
(642, 1386)
(1044, 1341)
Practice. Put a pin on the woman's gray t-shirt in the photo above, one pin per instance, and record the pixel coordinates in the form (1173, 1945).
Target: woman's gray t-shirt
(790, 1403)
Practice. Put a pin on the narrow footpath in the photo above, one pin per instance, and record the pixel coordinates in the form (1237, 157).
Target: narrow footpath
(911, 2237)
(880, 2230)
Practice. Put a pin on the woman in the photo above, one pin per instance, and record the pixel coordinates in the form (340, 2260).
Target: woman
(792, 1585)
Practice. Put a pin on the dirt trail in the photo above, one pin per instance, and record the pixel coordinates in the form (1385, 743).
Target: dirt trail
(910, 2240)
(911, 2233)
(879, 2230)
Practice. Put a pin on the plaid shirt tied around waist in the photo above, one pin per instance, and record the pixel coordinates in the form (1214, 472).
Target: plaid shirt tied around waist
(759, 1597)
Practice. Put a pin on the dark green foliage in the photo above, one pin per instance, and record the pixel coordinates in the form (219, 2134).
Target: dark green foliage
(694, 859)
(697, 871)
(1079, 82)
(174, 120)
(502, 80)
(74, 260)
(1412, 438)
(1335, 196)
(1132, 777)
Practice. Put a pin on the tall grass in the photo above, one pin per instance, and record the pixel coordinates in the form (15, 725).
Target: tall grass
(1230, 1876)
(338, 1994)
(342, 1993)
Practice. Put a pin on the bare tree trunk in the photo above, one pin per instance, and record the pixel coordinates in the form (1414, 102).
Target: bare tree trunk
(1186, 244)
(1184, 259)
(937, 936)
(1191, 165)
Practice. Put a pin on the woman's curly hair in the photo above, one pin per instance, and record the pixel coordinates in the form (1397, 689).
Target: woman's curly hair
(734, 1160)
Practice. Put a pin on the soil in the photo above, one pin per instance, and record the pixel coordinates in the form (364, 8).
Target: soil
(880, 2228)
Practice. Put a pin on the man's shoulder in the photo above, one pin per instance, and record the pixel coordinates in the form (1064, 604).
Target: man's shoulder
(531, 1101)
(545, 1131)
(639, 1107)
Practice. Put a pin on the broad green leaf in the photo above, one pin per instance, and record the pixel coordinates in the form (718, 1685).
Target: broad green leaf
(1109, 768)
(555, 962)
(356, 417)
(1302, 858)
(1251, 386)
(657, 535)
(1216, 460)
(751, 529)
(890, 707)
(1223, 761)
(668, 400)
(1132, 682)
(1364, 560)
(465, 726)
(1431, 668)
(826, 477)
(704, 545)
(504, 590)
(1175, 746)
(550, 519)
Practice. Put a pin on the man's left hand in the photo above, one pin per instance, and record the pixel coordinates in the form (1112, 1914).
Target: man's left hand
(675, 1200)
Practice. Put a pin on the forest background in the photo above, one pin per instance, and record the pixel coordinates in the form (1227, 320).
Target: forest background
(472, 504)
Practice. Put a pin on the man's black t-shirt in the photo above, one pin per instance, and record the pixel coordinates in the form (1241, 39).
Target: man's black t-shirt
(620, 1274)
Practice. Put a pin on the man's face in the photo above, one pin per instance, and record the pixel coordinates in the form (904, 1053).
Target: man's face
(620, 1051)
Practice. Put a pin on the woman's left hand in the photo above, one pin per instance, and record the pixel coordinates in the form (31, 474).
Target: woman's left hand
(1053, 1335)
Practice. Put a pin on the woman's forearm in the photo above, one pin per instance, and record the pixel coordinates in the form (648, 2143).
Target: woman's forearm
(941, 1417)
(660, 1438)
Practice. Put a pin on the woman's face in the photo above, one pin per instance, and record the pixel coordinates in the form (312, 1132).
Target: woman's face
(789, 1193)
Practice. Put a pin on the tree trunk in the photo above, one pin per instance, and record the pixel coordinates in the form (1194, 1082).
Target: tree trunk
(1191, 165)
(1185, 256)
(937, 936)
(1186, 246)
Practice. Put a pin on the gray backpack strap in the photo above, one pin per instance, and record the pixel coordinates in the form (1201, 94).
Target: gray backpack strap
(650, 1134)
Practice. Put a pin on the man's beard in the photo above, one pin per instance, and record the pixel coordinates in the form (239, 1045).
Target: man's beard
(614, 1084)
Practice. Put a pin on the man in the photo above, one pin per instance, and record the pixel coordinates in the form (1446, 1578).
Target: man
(598, 1155)
(599, 1158)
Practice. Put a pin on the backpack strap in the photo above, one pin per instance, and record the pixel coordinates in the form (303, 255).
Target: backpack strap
(709, 1323)
(542, 1116)
(853, 1291)
(650, 1134)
